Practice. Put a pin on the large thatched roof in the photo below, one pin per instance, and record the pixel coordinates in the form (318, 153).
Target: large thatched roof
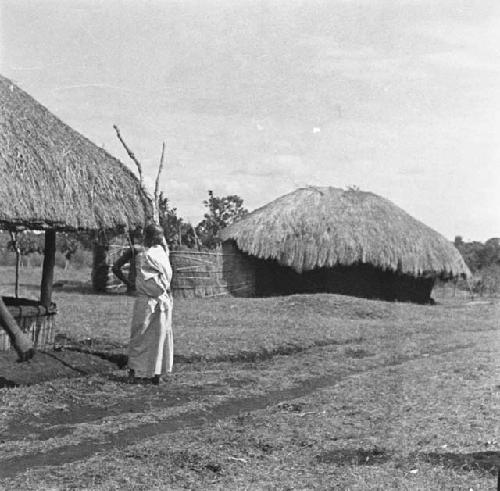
(53, 177)
(317, 227)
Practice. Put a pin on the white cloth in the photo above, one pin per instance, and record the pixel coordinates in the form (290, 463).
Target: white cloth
(151, 349)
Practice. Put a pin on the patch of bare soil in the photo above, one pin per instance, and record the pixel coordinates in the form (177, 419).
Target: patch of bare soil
(48, 365)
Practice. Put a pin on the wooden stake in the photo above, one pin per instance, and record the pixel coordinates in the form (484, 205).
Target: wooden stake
(132, 265)
(49, 261)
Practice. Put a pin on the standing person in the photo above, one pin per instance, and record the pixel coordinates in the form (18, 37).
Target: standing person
(151, 350)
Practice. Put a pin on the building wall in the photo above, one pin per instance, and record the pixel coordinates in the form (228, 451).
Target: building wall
(238, 271)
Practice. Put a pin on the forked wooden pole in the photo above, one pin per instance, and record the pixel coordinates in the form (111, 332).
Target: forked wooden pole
(156, 197)
(130, 154)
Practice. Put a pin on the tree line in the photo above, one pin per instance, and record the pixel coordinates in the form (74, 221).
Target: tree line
(220, 211)
(479, 255)
(483, 260)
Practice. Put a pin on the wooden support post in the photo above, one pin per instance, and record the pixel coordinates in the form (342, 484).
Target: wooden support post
(15, 245)
(49, 261)
(21, 343)
(18, 264)
(132, 273)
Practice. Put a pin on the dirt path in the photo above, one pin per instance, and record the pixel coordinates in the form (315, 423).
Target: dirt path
(193, 419)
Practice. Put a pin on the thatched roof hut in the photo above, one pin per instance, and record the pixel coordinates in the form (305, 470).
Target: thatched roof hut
(53, 177)
(319, 228)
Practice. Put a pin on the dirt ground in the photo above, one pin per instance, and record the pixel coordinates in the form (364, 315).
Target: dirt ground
(49, 365)
(300, 392)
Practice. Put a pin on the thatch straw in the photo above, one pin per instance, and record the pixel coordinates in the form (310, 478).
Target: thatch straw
(53, 177)
(317, 227)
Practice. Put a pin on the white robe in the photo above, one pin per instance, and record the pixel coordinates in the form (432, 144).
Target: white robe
(151, 350)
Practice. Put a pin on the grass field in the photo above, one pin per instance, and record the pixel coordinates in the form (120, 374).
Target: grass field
(298, 392)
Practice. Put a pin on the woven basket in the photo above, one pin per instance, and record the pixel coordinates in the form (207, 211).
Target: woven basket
(35, 320)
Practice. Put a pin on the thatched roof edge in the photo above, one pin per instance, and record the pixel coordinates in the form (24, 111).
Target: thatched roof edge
(317, 227)
(54, 177)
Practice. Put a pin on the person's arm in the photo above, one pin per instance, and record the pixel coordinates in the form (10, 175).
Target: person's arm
(125, 258)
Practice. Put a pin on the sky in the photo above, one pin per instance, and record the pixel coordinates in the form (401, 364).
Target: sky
(258, 98)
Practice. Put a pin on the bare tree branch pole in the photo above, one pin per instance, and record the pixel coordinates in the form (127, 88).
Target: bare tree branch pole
(145, 195)
(130, 154)
(157, 183)
(156, 201)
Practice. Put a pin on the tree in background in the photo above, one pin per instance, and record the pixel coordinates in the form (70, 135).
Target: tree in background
(177, 231)
(478, 255)
(29, 244)
(484, 262)
(67, 244)
(490, 253)
(221, 212)
(25, 243)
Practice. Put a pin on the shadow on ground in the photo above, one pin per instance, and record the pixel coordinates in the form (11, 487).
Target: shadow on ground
(49, 365)
(354, 456)
(115, 354)
(484, 462)
(475, 461)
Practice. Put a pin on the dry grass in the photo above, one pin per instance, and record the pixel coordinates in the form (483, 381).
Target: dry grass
(412, 388)
(318, 227)
(421, 432)
(54, 177)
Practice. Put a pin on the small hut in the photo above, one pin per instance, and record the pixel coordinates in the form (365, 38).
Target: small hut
(54, 179)
(324, 239)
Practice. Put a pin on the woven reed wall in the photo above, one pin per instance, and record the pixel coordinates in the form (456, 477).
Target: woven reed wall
(206, 274)
(195, 273)
(34, 320)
